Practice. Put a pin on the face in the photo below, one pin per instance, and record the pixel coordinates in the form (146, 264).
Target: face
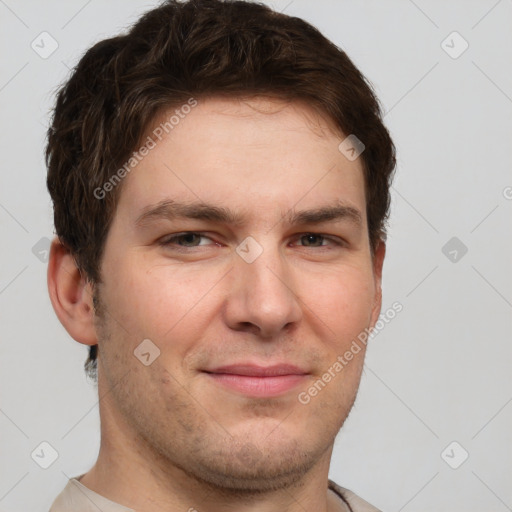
(239, 241)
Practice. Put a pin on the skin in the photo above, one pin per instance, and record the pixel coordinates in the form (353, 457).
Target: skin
(171, 438)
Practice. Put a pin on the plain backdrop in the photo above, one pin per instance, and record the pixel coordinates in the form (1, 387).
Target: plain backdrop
(431, 427)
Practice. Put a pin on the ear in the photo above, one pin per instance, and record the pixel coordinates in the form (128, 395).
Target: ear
(70, 295)
(377, 263)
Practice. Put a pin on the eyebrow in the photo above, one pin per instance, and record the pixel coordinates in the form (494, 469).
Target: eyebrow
(170, 209)
(336, 212)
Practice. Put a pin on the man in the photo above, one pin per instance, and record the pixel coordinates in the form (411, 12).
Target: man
(220, 177)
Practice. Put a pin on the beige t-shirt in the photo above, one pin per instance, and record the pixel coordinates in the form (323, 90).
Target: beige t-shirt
(76, 497)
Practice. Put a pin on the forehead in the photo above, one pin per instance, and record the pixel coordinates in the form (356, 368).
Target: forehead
(256, 152)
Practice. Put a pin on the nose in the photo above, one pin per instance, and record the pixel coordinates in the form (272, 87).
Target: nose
(262, 298)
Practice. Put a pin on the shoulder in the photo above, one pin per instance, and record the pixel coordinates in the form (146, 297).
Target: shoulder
(354, 502)
(76, 497)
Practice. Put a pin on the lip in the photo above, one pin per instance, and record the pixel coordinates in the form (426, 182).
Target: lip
(256, 370)
(258, 381)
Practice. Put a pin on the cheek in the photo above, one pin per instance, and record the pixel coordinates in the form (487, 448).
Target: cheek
(342, 302)
(156, 302)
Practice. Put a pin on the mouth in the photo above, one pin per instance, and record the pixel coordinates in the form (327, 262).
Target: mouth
(258, 381)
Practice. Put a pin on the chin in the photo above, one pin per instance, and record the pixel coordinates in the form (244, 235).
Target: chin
(250, 470)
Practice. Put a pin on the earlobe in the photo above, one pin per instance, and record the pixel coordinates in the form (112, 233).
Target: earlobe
(71, 295)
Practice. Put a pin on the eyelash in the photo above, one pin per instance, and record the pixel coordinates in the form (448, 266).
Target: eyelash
(170, 240)
(167, 241)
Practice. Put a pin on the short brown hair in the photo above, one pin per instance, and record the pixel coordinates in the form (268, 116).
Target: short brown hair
(195, 48)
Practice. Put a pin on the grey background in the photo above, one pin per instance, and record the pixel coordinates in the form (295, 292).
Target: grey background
(438, 373)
